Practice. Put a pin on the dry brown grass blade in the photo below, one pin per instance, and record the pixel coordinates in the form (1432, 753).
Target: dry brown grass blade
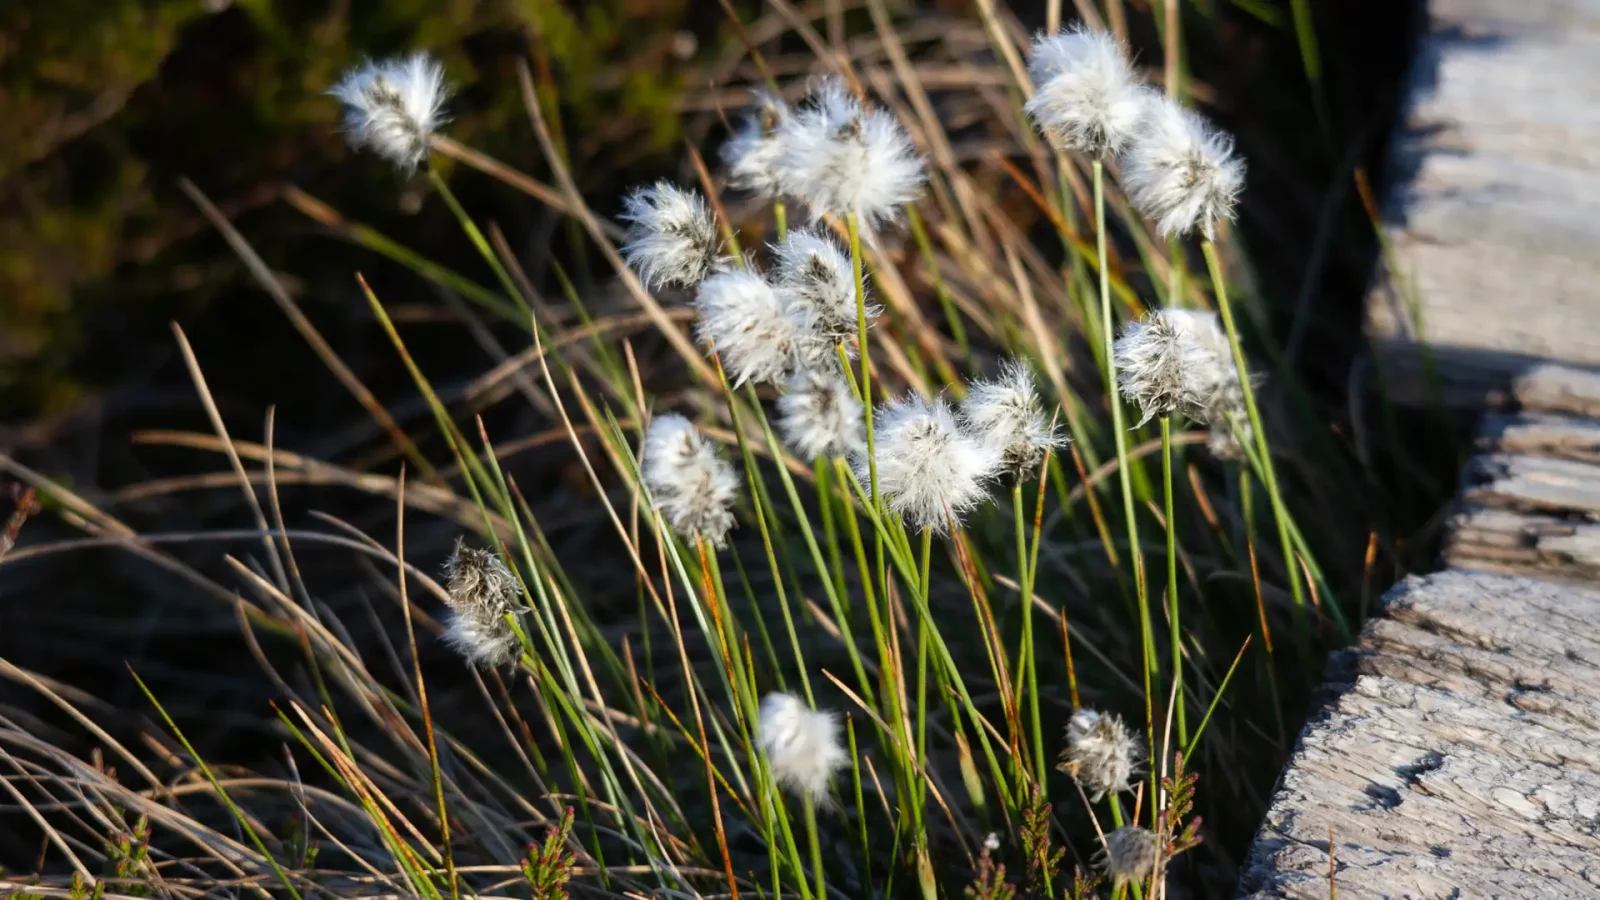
(248, 489)
(23, 676)
(494, 168)
(664, 323)
(50, 831)
(422, 687)
(306, 470)
(325, 352)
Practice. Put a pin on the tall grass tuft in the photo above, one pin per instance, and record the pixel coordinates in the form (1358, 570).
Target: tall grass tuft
(844, 590)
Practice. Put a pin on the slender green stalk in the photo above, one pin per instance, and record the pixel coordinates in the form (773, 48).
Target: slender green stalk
(922, 658)
(244, 823)
(1280, 512)
(478, 240)
(925, 246)
(1172, 581)
(1030, 670)
(1119, 431)
(866, 357)
(780, 212)
(816, 848)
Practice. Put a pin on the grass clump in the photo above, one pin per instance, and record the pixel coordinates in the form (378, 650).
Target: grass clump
(870, 487)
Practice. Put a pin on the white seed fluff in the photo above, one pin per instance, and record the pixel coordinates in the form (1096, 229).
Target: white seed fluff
(760, 337)
(1006, 414)
(1087, 97)
(1100, 753)
(801, 743)
(1167, 363)
(751, 154)
(930, 471)
(392, 106)
(1229, 427)
(672, 238)
(1181, 172)
(480, 589)
(840, 157)
(1129, 854)
(815, 274)
(691, 485)
(820, 416)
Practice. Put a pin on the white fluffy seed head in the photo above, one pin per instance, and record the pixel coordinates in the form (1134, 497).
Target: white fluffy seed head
(1171, 362)
(840, 156)
(930, 471)
(1229, 426)
(480, 589)
(672, 238)
(1006, 414)
(491, 644)
(752, 153)
(691, 485)
(815, 274)
(758, 334)
(392, 106)
(1087, 97)
(1100, 753)
(1180, 171)
(801, 744)
(820, 416)
(1129, 854)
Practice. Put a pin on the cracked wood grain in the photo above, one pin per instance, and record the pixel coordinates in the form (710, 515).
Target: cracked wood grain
(1463, 758)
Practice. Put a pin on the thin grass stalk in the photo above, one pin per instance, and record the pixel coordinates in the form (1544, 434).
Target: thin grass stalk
(1280, 512)
(758, 497)
(854, 226)
(834, 590)
(1172, 580)
(422, 692)
(817, 872)
(826, 503)
(951, 316)
(922, 662)
(1030, 680)
(481, 243)
(861, 807)
(1119, 432)
(780, 214)
(1189, 748)
(227, 801)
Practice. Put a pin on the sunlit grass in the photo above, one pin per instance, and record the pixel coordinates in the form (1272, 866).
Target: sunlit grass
(619, 755)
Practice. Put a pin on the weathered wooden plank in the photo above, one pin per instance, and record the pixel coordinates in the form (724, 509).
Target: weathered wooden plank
(1549, 387)
(1494, 213)
(1498, 540)
(1463, 758)
(1459, 755)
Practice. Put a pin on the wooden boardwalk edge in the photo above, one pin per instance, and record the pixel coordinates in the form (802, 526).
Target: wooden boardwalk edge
(1462, 758)
(1459, 755)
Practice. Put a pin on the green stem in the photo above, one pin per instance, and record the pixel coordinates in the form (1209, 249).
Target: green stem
(922, 662)
(866, 360)
(781, 213)
(1172, 581)
(1030, 672)
(1280, 512)
(816, 848)
(1119, 431)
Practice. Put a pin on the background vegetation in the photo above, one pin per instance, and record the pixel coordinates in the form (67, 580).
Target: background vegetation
(100, 248)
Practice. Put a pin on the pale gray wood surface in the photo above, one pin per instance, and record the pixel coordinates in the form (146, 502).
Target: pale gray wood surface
(1494, 209)
(1458, 752)
(1462, 758)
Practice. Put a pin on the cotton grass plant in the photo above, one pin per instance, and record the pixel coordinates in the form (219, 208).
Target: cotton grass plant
(852, 664)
